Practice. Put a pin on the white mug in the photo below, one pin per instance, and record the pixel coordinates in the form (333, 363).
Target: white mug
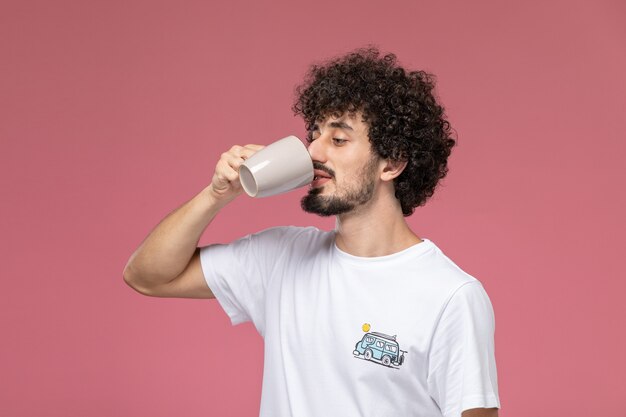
(279, 167)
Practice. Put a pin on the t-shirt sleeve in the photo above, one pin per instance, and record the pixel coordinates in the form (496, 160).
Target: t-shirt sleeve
(462, 366)
(238, 274)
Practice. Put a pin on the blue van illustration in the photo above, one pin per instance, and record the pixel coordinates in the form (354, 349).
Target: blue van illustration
(379, 348)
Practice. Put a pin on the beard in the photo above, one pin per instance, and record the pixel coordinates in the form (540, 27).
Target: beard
(345, 202)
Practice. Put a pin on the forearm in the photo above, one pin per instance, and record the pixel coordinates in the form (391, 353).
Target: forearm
(165, 253)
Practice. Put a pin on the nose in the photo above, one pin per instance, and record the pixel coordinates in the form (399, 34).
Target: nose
(317, 150)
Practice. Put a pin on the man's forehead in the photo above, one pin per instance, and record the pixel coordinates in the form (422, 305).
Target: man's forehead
(346, 120)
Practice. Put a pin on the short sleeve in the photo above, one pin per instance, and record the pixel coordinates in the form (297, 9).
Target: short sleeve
(238, 274)
(462, 366)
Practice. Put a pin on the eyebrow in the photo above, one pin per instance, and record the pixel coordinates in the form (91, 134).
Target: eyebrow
(340, 125)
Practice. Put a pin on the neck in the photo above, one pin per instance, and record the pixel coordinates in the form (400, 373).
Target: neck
(376, 229)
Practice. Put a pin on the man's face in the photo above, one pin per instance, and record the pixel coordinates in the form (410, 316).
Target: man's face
(346, 167)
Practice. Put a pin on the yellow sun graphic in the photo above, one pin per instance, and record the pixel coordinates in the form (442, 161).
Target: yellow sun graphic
(366, 327)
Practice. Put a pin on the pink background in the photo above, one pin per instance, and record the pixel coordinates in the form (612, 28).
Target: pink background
(113, 113)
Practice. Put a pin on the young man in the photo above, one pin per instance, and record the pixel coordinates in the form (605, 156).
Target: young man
(368, 319)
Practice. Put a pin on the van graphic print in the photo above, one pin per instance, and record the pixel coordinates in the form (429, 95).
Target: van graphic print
(379, 348)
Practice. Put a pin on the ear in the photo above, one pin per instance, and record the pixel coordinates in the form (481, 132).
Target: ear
(391, 169)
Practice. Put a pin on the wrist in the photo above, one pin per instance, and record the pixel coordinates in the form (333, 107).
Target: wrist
(214, 198)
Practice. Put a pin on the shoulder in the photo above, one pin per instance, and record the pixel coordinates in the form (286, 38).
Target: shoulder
(445, 272)
(289, 238)
(449, 283)
(464, 297)
(290, 233)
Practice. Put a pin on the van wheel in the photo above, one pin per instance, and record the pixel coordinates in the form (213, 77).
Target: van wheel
(368, 354)
(386, 360)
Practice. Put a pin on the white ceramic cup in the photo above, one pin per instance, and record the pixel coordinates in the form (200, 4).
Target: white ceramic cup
(279, 167)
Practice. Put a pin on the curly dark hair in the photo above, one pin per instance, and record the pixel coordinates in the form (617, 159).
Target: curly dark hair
(405, 121)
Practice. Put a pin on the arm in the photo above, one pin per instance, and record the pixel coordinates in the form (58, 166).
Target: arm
(480, 412)
(462, 358)
(167, 263)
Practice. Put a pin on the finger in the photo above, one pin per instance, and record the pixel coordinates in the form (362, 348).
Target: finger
(249, 150)
(224, 174)
(231, 175)
(234, 159)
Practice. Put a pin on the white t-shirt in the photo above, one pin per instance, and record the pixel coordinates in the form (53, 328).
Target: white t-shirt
(408, 334)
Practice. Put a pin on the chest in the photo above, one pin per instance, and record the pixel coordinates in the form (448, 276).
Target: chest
(364, 322)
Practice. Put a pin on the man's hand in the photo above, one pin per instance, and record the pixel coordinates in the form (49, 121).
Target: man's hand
(225, 185)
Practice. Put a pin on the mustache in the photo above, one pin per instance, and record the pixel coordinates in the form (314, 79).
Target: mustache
(318, 165)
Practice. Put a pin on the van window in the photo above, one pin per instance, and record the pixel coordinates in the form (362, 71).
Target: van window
(380, 344)
(392, 348)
